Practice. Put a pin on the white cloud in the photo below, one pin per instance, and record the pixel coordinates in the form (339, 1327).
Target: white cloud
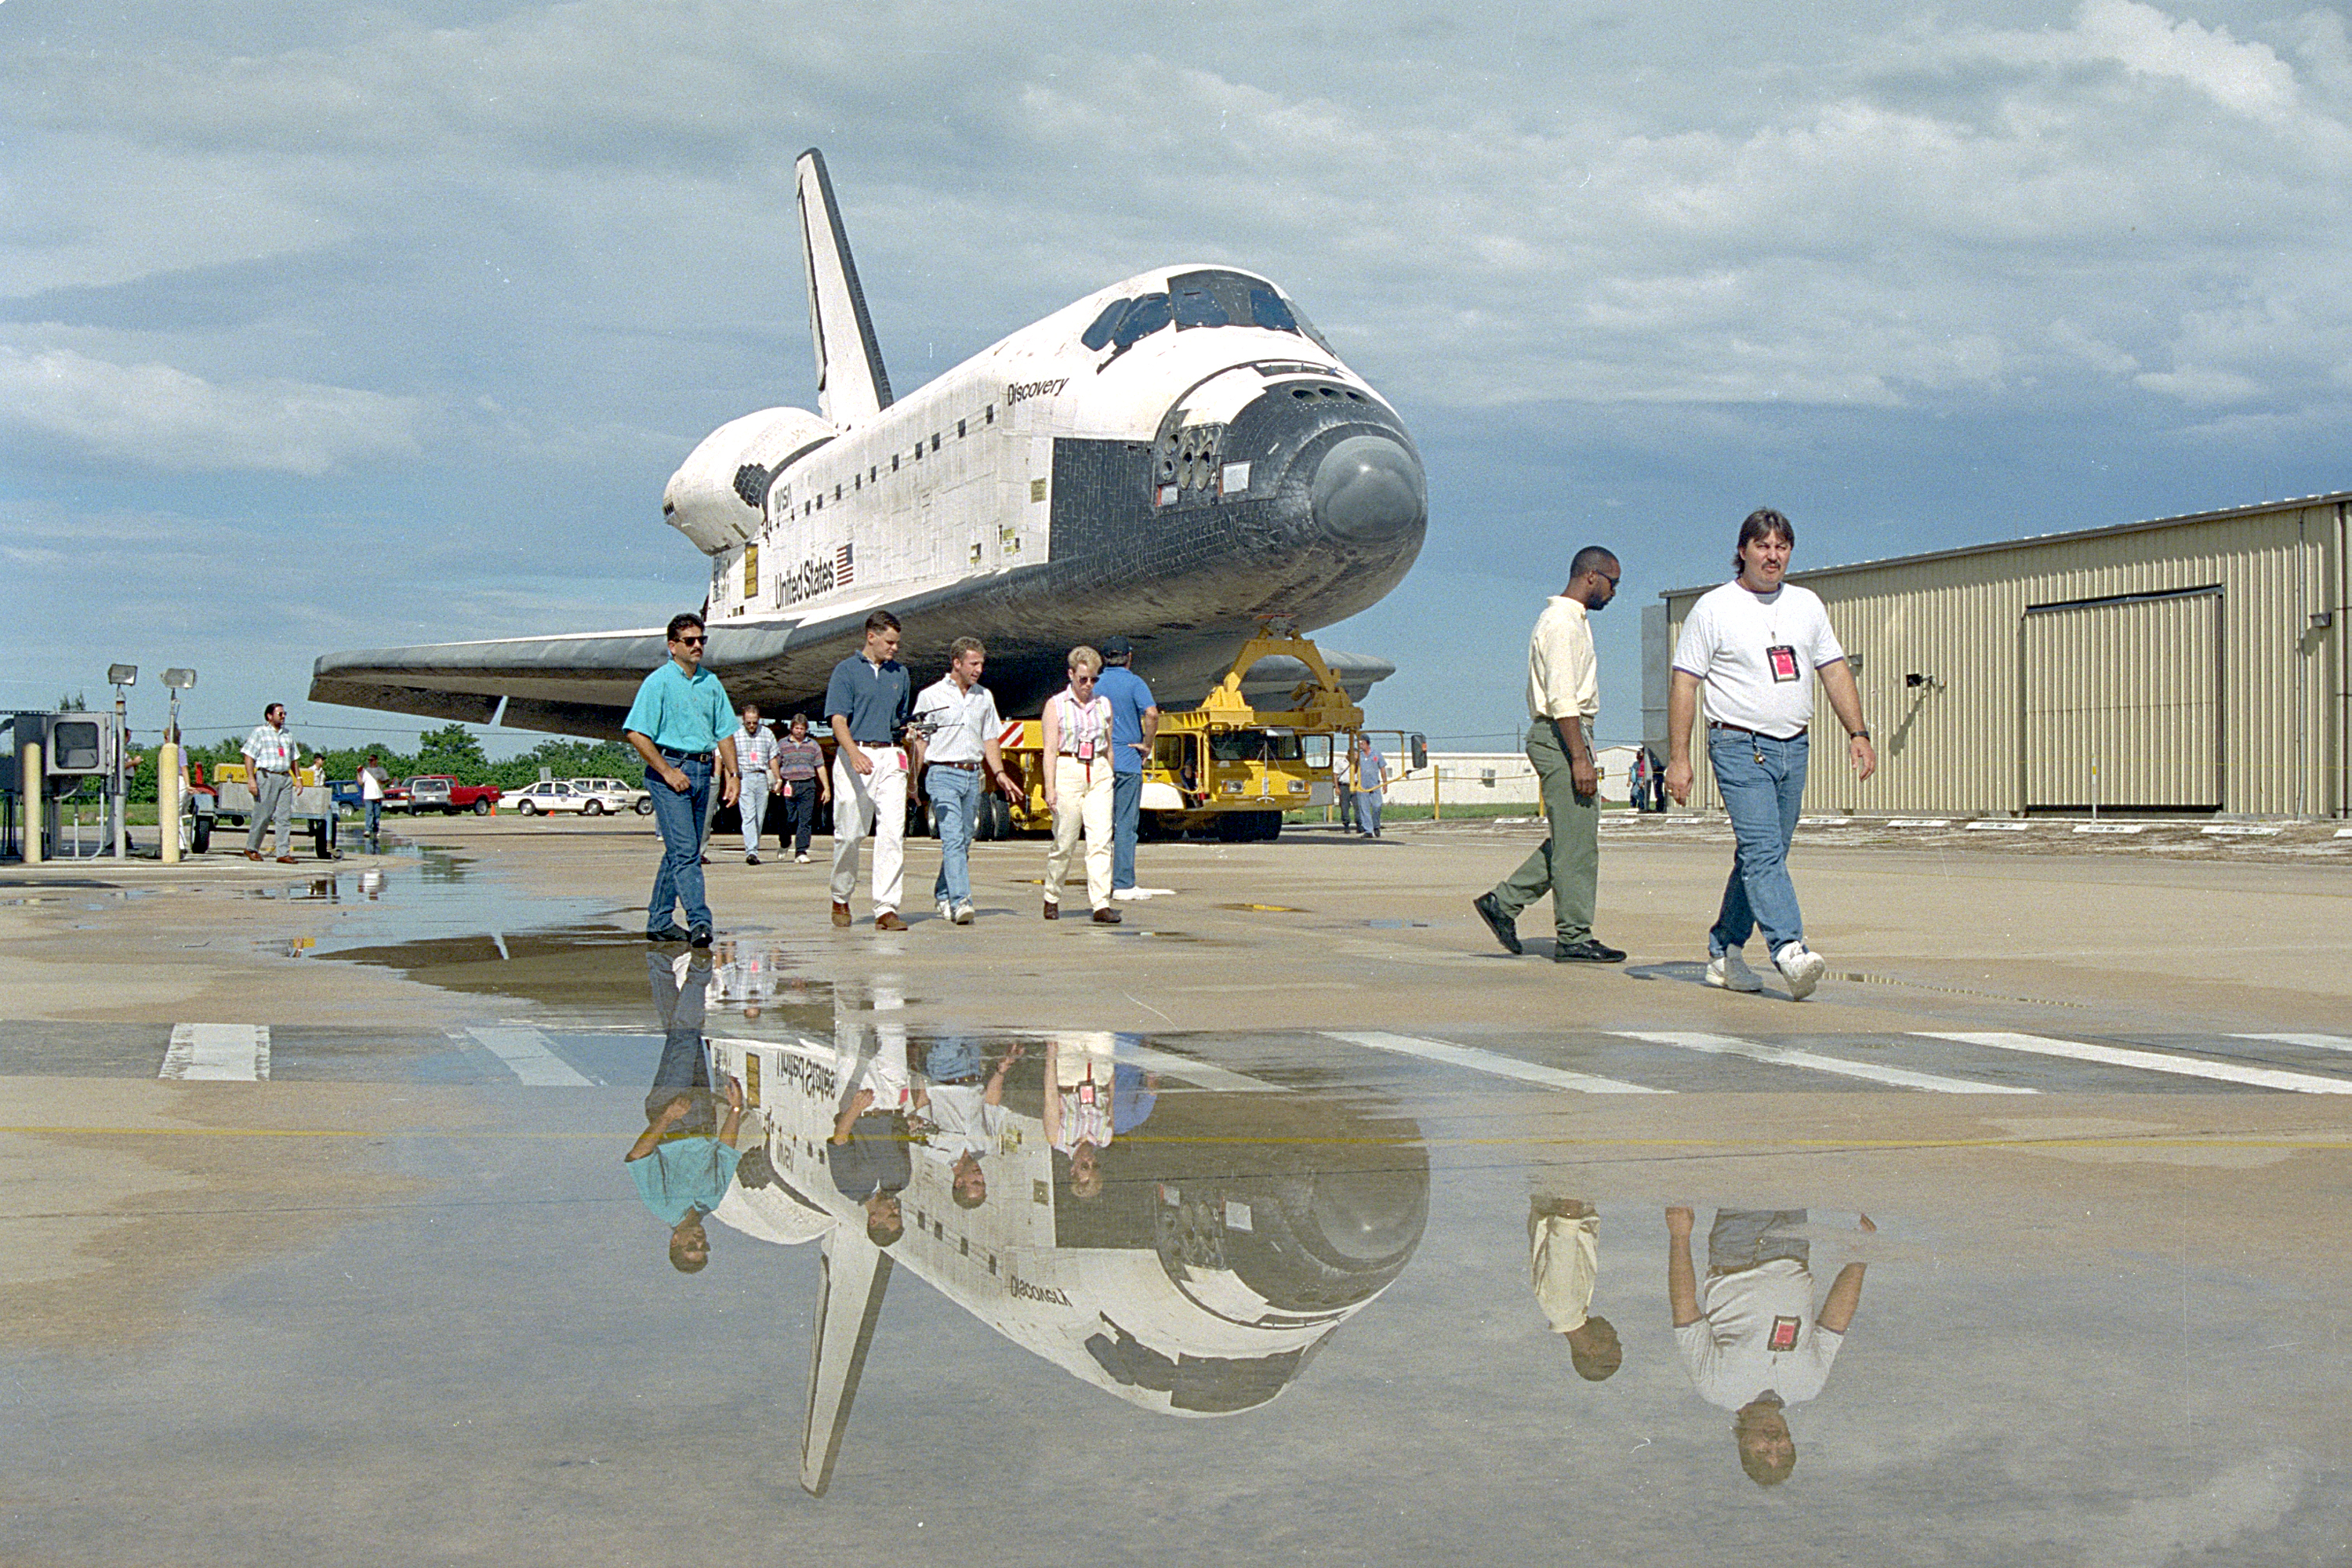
(161, 417)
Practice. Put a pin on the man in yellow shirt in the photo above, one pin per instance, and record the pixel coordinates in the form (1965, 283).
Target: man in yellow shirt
(1563, 701)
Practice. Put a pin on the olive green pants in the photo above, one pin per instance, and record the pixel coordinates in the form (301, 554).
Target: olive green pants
(1568, 864)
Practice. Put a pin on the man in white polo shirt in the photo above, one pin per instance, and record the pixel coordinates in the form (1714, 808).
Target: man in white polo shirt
(1755, 644)
(957, 717)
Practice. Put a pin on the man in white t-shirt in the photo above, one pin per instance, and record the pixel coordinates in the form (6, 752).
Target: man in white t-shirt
(1755, 644)
(1751, 1341)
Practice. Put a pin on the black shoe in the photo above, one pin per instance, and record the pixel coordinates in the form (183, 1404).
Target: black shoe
(701, 938)
(1591, 950)
(667, 933)
(1505, 929)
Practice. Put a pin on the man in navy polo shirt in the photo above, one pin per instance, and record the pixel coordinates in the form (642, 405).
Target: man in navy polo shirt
(682, 724)
(1134, 722)
(867, 704)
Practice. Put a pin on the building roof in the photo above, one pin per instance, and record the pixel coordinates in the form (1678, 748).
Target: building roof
(2332, 498)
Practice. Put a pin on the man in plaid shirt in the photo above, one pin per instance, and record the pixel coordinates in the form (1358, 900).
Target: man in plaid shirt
(755, 754)
(270, 755)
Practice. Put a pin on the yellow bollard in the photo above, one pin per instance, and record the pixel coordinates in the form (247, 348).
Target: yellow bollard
(32, 786)
(167, 801)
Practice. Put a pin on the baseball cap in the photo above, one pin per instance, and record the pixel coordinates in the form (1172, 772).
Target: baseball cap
(1112, 647)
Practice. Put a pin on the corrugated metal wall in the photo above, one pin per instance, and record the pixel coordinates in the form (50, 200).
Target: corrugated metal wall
(1966, 625)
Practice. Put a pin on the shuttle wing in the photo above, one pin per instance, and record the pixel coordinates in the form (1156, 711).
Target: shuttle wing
(851, 383)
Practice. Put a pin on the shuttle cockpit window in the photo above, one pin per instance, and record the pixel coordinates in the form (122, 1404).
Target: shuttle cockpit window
(1206, 299)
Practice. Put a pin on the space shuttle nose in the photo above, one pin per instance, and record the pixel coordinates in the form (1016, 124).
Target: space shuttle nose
(1371, 489)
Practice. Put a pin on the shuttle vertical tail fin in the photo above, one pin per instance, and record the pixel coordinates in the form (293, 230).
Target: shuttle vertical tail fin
(850, 380)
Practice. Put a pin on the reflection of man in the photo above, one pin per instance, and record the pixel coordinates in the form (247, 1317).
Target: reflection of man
(680, 1169)
(967, 1114)
(1752, 1342)
(1563, 1264)
(867, 1158)
(1563, 701)
(1134, 724)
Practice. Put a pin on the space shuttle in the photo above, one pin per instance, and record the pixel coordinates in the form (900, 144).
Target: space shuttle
(1178, 458)
(1236, 1233)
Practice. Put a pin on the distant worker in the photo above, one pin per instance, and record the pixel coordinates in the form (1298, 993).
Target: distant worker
(270, 755)
(957, 719)
(374, 783)
(866, 704)
(1755, 642)
(1638, 776)
(1371, 770)
(1750, 1337)
(1077, 786)
(1563, 1267)
(682, 725)
(1563, 701)
(800, 765)
(755, 759)
(1134, 725)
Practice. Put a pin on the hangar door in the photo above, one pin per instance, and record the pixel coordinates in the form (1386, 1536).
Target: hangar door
(2133, 686)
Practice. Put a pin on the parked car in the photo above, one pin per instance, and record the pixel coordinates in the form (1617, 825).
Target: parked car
(439, 791)
(552, 795)
(639, 799)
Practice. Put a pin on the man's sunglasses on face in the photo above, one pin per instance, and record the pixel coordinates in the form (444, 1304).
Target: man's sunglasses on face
(694, 642)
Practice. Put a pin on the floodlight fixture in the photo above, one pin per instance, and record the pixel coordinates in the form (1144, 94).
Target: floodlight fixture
(122, 675)
(179, 680)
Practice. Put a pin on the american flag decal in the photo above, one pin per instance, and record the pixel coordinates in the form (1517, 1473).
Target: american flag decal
(841, 573)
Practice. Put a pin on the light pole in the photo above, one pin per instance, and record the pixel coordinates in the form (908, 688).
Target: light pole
(167, 768)
(121, 677)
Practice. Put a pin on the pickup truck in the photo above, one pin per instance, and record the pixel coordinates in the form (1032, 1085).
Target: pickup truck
(439, 791)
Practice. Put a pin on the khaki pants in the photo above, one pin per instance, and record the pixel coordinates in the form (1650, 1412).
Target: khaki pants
(874, 803)
(1081, 799)
(1568, 864)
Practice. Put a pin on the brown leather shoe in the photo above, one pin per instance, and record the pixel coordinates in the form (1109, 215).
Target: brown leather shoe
(1106, 916)
(889, 920)
(287, 860)
(841, 916)
(253, 854)
(1053, 910)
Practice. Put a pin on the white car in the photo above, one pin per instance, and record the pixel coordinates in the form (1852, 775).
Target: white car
(635, 797)
(560, 794)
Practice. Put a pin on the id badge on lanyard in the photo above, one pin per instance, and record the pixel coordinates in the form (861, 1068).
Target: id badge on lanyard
(1782, 660)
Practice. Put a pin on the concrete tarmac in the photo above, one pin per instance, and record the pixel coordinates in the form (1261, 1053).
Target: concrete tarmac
(318, 1239)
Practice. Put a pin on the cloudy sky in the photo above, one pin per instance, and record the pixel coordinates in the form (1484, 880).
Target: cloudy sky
(333, 325)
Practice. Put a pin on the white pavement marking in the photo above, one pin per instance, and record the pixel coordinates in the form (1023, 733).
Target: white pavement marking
(1200, 1074)
(2312, 1042)
(1989, 825)
(232, 1053)
(2152, 1061)
(529, 1056)
(1489, 1062)
(1790, 1056)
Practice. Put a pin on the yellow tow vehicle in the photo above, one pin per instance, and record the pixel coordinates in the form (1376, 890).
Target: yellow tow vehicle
(1224, 765)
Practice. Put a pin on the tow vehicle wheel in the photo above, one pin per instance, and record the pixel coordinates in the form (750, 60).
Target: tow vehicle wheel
(323, 839)
(482, 807)
(593, 808)
(998, 817)
(527, 808)
(202, 835)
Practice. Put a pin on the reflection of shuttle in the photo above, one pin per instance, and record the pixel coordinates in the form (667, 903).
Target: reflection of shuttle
(1176, 458)
(1233, 1235)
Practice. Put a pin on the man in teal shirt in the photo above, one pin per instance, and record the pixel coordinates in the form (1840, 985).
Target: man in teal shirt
(682, 724)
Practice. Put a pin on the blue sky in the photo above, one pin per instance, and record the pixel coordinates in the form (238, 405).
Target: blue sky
(327, 326)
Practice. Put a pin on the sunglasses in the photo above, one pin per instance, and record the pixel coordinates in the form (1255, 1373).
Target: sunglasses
(693, 642)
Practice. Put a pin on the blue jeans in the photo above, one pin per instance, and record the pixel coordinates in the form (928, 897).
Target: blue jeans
(1125, 818)
(1367, 811)
(953, 793)
(1762, 781)
(679, 818)
(800, 813)
(375, 816)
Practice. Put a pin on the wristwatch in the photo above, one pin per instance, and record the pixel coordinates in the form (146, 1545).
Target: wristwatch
(1857, 735)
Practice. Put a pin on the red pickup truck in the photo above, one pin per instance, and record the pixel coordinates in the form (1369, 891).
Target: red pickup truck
(439, 791)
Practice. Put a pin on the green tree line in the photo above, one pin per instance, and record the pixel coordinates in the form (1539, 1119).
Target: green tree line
(451, 750)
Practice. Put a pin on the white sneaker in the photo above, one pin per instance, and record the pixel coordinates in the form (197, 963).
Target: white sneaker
(1730, 972)
(1125, 895)
(947, 910)
(963, 914)
(1802, 967)
(802, 858)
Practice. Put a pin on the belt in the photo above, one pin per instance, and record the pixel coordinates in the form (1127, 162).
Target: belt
(937, 764)
(677, 756)
(1744, 729)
